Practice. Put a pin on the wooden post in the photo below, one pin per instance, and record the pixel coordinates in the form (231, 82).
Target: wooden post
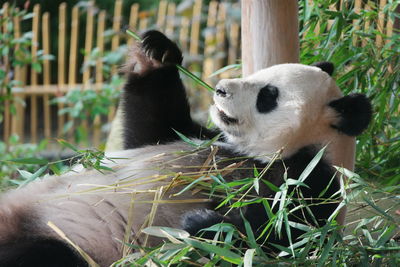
(274, 24)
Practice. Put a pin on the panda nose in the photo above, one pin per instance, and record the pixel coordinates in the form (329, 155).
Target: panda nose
(221, 92)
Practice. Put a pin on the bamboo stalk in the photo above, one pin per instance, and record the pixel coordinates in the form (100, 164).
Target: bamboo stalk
(34, 76)
(133, 18)
(46, 73)
(17, 122)
(61, 61)
(195, 32)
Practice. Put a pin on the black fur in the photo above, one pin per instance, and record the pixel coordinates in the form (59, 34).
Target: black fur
(328, 67)
(154, 103)
(267, 99)
(354, 112)
(320, 182)
(39, 253)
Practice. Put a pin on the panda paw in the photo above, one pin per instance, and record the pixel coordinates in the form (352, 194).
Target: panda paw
(194, 221)
(157, 46)
(154, 51)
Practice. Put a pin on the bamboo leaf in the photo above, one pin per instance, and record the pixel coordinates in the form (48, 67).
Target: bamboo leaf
(29, 161)
(310, 167)
(248, 257)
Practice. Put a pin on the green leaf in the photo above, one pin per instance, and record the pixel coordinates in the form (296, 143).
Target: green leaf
(223, 252)
(161, 232)
(310, 167)
(248, 257)
(189, 185)
(226, 68)
(67, 145)
(34, 176)
(186, 139)
(29, 161)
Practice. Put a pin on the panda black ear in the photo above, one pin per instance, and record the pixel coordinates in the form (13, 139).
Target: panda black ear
(354, 112)
(326, 66)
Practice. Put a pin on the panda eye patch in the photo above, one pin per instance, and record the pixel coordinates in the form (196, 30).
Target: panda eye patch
(267, 98)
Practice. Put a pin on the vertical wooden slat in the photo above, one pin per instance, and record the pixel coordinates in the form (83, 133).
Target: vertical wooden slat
(34, 76)
(381, 23)
(7, 113)
(133, 18)
(367, 24)
(88, 48)
(61, 60)
(356, 22)
(162, 9)
(73, 54)
(116, 29)
(100, 45)
(221, 18)
(114, 45)
(183, 34)
(46, 73)
(143, 23)
(88, 42)
(170, 25)
(195, 32)
(99, 73)
(73, 49)
(389, 28)
(234, 41)
(209, 42)
(332, 7)
(17, 122)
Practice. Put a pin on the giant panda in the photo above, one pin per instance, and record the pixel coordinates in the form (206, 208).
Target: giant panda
(291, 108)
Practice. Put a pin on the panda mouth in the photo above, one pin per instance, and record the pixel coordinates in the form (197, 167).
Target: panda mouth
(224, 117)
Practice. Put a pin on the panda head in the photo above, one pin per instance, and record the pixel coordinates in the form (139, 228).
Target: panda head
(287, 107)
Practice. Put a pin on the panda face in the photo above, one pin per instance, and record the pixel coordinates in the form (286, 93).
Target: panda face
(284, 106)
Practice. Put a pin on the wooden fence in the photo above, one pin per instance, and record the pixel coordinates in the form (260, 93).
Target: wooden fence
(202, 31)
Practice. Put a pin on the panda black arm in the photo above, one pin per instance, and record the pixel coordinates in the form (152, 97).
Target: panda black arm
(39, 252)
(154, 100)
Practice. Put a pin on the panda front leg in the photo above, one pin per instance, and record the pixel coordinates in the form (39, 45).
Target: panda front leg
(154, 101)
